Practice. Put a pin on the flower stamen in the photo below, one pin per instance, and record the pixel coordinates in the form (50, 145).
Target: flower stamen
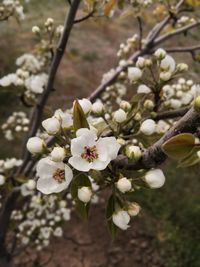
(59, 176)
(90, 153)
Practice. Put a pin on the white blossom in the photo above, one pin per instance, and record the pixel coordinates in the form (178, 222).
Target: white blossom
(54, 177)
(89, 152)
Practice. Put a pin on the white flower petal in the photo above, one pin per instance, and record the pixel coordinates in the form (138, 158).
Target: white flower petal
(79, 163)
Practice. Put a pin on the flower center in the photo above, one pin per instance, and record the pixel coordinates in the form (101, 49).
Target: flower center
(90, 153)
(59, 176)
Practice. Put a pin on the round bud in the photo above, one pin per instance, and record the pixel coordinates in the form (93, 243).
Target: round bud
(35, 145)
(98, 108)
(84, 194)
(2, 179)
(124, 185)
(58, 154)
(31, 184)
(134, 152)
(148, 127)
(51, 125)
(160, 53)
(133, 209)
(148, 105)
(155, 178)
(120, 116)
(134, 74)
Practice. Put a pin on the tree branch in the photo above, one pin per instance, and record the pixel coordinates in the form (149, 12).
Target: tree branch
(37, 113)
(170, 114)
(154, 155)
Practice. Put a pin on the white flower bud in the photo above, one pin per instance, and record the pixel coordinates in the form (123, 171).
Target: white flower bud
(160, 53)
(35, 29)
(182, 67)
(168, 64)
(148, 104)
(125, 105)
(133, 209)
(35, 145)
(165, 76)
(124, 185)
(148, 127)
(58, 154)
(155, 178)
(2, 179)
(143, 89)
(84, 194)
(31, 184)
(134, 74)
(120, 115)
(51, 125)
(134, 152)
(121, 219)
(140, 63)
(86, 105)
(98, 108)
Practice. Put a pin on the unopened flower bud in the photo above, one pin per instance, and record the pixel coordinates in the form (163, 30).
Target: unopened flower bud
(148, 127)
(134, 152)
(133, 209)
(140, 63)
(125, 105)
(35, 29)
(148, 105)
(134, 74)
(160, 53)
(182, 67)
(155, 178)
(35, 145)
(120, 115)
(124, 185)
(86, 105)
(31, 184)
(51, 125)
(143, 89)
(58, 154)
(2, 179)
(165, 76)
(84, 194)
(98, 108)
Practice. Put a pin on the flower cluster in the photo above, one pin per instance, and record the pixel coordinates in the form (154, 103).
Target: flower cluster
(10, 8)
(41, 219)
(16, 124)
(30, 78)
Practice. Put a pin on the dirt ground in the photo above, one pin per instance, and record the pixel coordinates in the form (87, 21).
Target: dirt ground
(88, 244)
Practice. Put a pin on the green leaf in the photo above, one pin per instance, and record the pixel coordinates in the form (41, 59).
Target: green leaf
(190, 160)
(110, 209)
(179, 146)
(82, 209)
(21, 179)
(79, 118)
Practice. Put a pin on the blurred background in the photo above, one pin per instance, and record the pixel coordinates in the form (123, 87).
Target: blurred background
(167, 231)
